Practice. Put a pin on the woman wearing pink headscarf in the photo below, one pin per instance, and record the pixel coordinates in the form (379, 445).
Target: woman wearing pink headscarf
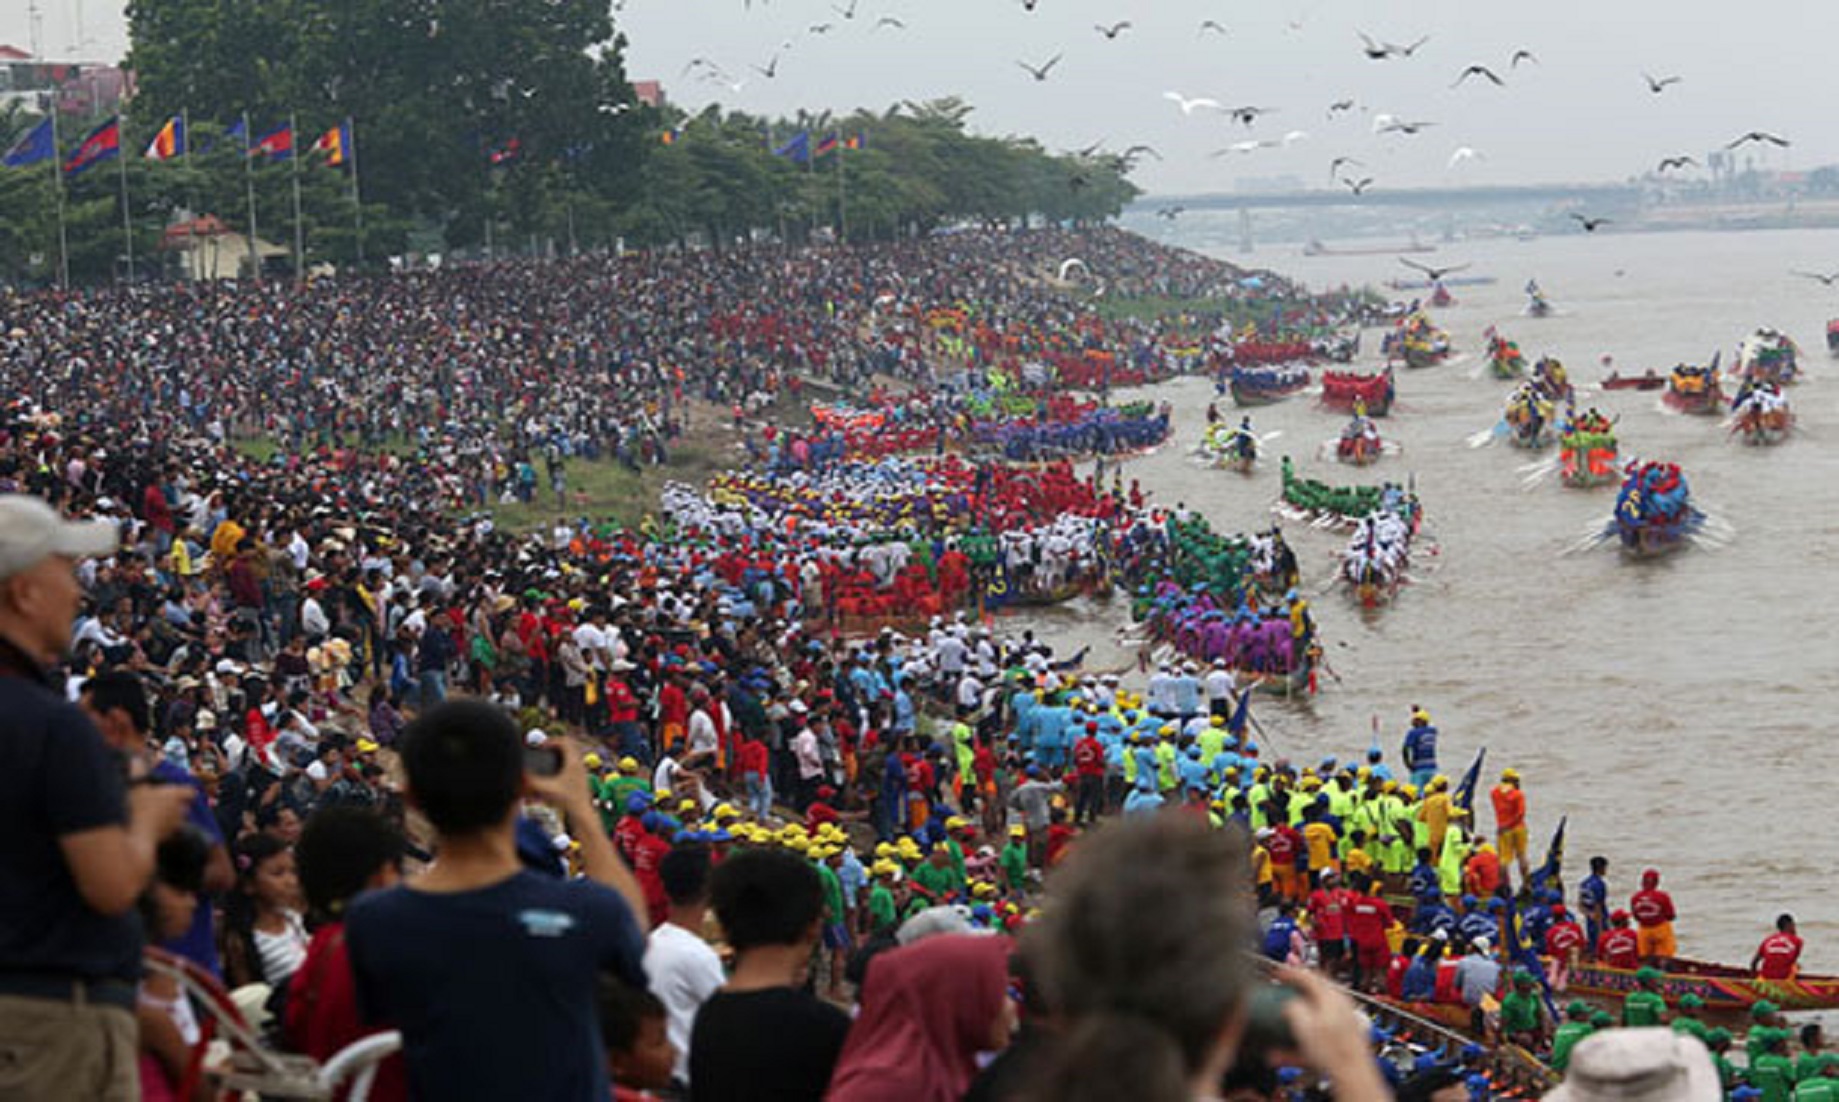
(928, 1009)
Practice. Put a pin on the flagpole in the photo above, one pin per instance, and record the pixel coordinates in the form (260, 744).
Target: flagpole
(842, 199)
(127, 214)
(57, 185)
(357, 203)
(255, 261)
(185, 158)
(293, 157)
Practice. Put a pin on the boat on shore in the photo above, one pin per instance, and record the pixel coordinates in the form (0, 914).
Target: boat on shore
(1727, 991)
(1265, 384)
(1694, 389)
(1344, 390)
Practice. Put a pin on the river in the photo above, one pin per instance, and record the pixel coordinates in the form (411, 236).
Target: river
(1673, 709)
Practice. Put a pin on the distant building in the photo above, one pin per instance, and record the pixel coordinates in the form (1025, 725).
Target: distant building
(208, 249)
(78, 89)
(648, 92)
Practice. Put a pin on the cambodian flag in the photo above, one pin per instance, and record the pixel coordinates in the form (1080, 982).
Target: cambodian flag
(103, 144)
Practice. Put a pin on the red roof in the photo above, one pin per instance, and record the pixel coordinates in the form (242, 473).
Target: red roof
(179, 233)
(648, 92)
(13, 53)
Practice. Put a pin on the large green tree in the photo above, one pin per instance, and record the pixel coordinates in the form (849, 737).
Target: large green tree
(433, 86)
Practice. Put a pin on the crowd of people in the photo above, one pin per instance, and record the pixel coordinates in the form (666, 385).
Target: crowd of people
(666, 812)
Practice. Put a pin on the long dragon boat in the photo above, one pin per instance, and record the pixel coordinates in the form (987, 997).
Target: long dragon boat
(1265, 384)
(1505, 360)
(1654, 511)
(1726, 990)
(1768, 356)
(1760, 414)
(1587, 451)
(1694, 389)
(1344, 390)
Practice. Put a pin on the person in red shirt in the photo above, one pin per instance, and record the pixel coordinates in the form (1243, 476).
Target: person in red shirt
(1284, 844)
(1653, 911)
(1089, 768)
(1482, 875)
(1060, 835)
(1779, 955)
(673, 712)
(1565, 942)
(647, 854)
(754, 761)
(1368, 919)
(1619, 947)
(1328, 922)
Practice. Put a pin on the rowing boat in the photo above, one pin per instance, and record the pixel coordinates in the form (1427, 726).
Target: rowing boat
(1725, 989)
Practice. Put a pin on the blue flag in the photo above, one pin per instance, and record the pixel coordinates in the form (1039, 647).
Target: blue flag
(1554, 859)
(1241, 714)
(798, 149)
(238, 133)
(34, 147)
(1464, 796)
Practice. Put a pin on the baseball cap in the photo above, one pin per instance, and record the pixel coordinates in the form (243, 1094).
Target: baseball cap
(31, 531)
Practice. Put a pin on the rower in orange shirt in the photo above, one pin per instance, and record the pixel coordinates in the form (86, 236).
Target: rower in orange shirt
(1510, 818)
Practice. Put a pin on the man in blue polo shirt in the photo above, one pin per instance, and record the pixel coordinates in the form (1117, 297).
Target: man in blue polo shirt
(80, 842)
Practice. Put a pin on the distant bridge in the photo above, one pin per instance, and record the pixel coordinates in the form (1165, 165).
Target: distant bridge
(1597, 196)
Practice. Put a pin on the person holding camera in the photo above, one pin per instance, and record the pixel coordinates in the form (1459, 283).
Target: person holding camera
(81, 840)
(479, 961)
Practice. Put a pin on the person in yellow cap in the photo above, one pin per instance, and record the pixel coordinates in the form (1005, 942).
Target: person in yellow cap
(1434, 812)
(883, 911)
(1014, 861)
(1510, 819)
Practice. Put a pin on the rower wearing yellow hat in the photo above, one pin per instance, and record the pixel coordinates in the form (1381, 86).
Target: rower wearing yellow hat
(1510, 818)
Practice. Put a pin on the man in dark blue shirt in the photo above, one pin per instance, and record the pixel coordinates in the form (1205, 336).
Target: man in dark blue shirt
(491, 971)
(80, 842)
(1593, 900)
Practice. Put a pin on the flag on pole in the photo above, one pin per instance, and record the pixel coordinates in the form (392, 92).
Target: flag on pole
(856, 141)
(826, 146)
(1554, 859)
(169, 142)
(35, 146)
(335, 144)
(1464, 796)
(276, 145)
(1241, 714)
(671, 136)
(102, 144)
(798, 149)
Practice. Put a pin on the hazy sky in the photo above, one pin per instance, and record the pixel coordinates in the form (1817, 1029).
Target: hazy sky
(1582, 113)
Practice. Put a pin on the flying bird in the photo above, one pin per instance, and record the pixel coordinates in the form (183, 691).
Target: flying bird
(1360, 185)
(771, 70)
(1463, 153)
(1667, 163)
(1435, 274)
(1213, 25)
(1375, 51)
(1334, 166)
(1659, 86)
(1589, 224)
(820, 28)
(1114, 29)
(1040, 73)
(1170, 213)
(1189, 106)
(1522, 55)
(1760, 136)
(1480, 71)
(846, 13)
(1028, 5)
(1248, 115)
(1339, 106)
(1827, 280)
(889, 21)
(1392, 124)
(1136, 151)
(1407, 51)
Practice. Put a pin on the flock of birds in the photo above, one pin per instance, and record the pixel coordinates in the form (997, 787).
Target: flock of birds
(1342, 168)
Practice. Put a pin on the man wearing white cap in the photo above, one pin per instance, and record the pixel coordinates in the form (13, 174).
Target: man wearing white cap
(80, 841)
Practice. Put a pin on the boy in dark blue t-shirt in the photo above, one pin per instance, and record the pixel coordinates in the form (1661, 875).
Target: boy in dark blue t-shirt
(491, 971)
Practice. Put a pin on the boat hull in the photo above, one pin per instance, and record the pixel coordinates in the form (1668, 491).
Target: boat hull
(1344, 390)
(1633, 382)
(1724, 989)
(1702, 404)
